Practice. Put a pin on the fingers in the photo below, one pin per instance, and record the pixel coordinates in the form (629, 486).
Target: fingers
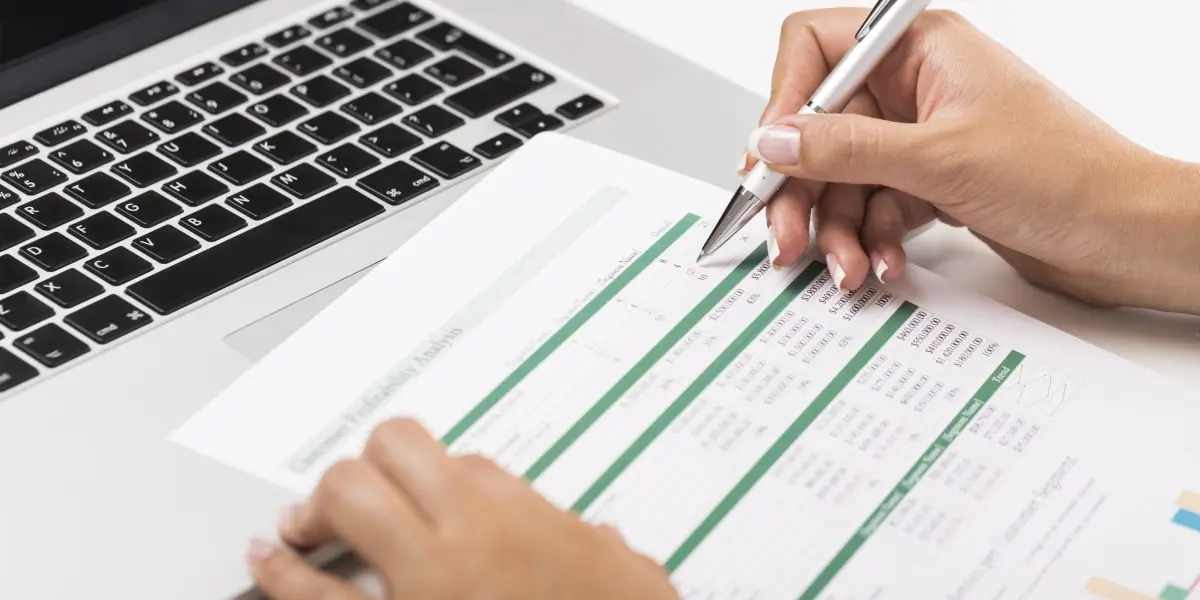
(354, 502)
(890, 216)
(282, 575)
(418, 465)
(788, 216)
(810, 43)
(840, 215)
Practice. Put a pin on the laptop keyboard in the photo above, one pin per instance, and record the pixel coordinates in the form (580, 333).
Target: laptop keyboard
(150, 202)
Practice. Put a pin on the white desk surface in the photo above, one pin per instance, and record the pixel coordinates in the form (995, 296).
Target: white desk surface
(1135, 67)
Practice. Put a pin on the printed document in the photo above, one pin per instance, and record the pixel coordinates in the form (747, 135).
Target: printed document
(757, 431)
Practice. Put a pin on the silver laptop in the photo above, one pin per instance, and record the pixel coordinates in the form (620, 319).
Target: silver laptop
(184, 183)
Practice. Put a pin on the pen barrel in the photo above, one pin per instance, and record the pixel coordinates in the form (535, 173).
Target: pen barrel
(763, 182)
(852, 71)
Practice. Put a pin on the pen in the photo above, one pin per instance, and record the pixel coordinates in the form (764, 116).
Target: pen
(883, 27)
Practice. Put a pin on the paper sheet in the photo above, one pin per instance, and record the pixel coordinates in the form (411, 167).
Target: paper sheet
(757, 432)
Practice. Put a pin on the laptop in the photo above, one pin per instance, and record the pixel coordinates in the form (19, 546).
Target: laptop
(183, 183)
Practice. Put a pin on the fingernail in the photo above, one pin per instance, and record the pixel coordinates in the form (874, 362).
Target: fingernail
(835, 269)
(776, 144)
(260, 550)
(287, 518)
(772, 247)
(881, 267)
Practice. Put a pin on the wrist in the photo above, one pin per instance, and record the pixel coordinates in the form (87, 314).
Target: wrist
(1156, 219)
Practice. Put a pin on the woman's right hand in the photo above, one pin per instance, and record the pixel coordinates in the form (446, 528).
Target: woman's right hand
(952, 125)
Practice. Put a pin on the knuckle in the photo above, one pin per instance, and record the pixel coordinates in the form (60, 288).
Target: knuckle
(943, 18)
(342, 479)
(388, 433)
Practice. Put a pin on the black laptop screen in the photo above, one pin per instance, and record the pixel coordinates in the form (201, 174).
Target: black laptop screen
(46, 42)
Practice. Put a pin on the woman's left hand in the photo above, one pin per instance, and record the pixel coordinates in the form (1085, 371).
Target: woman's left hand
(436, 526)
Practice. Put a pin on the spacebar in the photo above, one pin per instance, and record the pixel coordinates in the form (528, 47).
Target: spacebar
(268, 244)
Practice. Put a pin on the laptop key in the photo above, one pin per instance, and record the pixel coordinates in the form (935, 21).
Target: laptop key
(69, 288)
(304, 181)
(16, 152)
(259, 201)
(518, 113)
(172, 117)
(189, 149)
(118, 266)
(453, 70)
(253, 251)
(445, 36)
(390, 140)
(127, 136)
(368, 4)
(108, 113)
(213, 222)
(498, 146)
(53, 252)
(499, 90)
(195, 188)
(22, 311)
(108, 319)
(303, 60)
(81, 157)
(288, 36)
(579, 107)
(154, 93)
(49, 211)
(348, 160)
(13, 232)
(51, 345)
(394, 21)
(144, 170)
(7, 197)
(285, 147)
(433, 121)
(536, 125)
(260, 79)
(371, 108)
(240, 168)
(243, 55)
(343, 42)
(362, 72)
(101, 230)
(413, 89)
(60, 133)
(328, 127)
(234, 129)
(321, 91)
(34, 177)
(199, 74)
(14, 371)
(331, 17)
(277, 111)
(404, 54)
(165, 244)
(216, 98)
(446, 160)
(97, 190)
(398, 183)
(148, 209)
(14, 273)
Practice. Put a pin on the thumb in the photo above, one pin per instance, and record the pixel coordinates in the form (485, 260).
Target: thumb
(854, 149)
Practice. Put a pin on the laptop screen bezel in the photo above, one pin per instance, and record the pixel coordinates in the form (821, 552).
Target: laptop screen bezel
(106, 44)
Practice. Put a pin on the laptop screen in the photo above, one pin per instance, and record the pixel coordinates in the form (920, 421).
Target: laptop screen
(27, 27)
(47, 42)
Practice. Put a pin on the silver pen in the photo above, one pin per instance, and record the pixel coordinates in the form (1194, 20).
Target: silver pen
(885, 25)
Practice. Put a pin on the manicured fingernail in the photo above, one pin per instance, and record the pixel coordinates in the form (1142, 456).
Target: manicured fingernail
(881, 267)
(260, 550)
(287, 518)
(772, 247)
(776, 144)
(835, 269)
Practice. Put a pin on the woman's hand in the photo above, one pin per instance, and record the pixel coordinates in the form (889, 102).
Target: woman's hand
(953, 126)
(438, 527)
